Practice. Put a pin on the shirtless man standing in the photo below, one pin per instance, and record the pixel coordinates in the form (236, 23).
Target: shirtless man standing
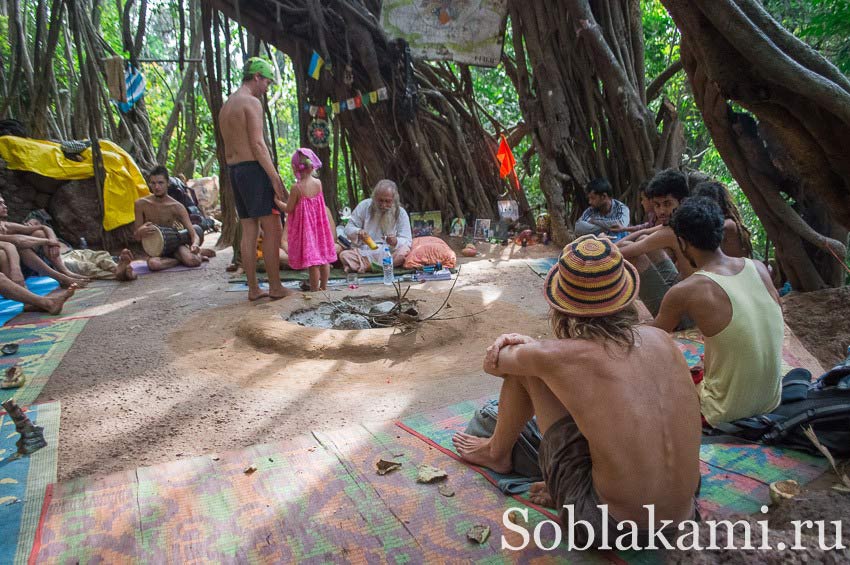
(159, 209)
(255, 181)
(614, 400)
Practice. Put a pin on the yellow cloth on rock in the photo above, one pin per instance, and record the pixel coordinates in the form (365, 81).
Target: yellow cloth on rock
(123, 185)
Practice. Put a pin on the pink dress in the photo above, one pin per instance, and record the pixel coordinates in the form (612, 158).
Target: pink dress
(308, 234)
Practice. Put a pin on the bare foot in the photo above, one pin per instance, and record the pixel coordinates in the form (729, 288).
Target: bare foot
(57, 300)
(476, 450)
(205, 252)
(539, 494)
(67, 282)
(124, 271)
(256, 294)
(284, 292)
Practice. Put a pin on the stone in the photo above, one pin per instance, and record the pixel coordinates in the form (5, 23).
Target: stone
(351, 322)
(206, 189)
(75, 208)
(382, 308)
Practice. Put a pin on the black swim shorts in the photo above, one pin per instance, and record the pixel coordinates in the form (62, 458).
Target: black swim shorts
(252, 189)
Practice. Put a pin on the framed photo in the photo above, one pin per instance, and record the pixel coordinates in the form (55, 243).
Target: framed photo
(482, 229)
(458, 227)
(426, 223)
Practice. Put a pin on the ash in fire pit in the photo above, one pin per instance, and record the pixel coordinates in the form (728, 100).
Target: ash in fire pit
(357, 313)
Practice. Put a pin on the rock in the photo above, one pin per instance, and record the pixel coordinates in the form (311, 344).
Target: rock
(76, 212)
(382, 308)
(350, 322)
(429, 474)
(206, 189)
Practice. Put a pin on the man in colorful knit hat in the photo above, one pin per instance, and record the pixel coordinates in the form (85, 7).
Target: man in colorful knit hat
(614, 401)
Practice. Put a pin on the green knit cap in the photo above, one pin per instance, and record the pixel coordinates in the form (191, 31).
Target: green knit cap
(259, 65)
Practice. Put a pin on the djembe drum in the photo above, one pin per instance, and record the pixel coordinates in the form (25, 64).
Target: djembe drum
(165, 241)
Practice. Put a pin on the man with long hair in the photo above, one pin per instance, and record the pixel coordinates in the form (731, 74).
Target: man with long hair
(383, 220)
(614, 401)
(737, 239)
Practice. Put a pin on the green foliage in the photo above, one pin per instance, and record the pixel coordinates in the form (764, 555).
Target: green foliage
(823, 24)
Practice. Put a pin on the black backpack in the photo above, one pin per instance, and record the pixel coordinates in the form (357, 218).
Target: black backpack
(824, 405)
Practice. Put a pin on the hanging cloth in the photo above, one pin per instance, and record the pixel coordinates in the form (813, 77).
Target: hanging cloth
(136, 84)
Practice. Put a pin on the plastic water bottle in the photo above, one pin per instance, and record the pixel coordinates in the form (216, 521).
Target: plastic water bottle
(387, 263)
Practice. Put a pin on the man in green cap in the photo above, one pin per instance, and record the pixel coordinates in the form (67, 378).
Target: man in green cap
(255, 181)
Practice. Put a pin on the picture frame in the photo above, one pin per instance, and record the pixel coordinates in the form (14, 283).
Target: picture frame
(482, 229)
(458, 227)
(426, 223)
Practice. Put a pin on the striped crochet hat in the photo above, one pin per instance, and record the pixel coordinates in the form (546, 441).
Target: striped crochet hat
(591, 279)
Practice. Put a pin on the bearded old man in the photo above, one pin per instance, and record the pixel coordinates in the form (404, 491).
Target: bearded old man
(382, 219)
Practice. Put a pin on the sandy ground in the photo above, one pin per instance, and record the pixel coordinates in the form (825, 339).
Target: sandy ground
(821, 322)
(163, 375)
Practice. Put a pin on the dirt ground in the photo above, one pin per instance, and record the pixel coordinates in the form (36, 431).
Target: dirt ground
(162, 375)
(820, 319)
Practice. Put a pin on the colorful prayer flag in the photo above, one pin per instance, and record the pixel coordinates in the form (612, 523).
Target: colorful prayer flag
(358, 101)
(382, 93)
(335, 107)
(343, 105)
(350, 103)
(316, 63)
(373, 96)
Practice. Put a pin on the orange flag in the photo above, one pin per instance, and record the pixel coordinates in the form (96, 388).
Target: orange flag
(507, 162)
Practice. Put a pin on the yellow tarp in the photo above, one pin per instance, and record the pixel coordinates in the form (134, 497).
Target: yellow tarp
(124, 183)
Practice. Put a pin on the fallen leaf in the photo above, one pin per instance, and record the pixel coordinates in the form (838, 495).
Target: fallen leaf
(249, 470)
(478, 533)
(382, 466)
(446, 490)
(429, 474)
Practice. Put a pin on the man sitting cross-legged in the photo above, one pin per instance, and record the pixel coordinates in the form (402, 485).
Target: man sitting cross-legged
(656, 256)
(734, 305)
(159, 209)
(614, 400)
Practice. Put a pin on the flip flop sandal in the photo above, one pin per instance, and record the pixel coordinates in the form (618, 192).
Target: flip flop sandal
(9, 349)
(14, 378)
(232, 268)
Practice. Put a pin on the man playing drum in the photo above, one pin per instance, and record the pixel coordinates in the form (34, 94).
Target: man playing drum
(157, 216)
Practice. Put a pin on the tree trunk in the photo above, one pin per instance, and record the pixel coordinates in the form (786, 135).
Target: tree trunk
(426, 137)
(584, 100)
(789, 150)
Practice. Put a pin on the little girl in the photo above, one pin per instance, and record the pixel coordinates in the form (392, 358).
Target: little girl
(308, 233)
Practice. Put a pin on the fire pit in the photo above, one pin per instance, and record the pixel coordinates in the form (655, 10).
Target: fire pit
(357, 313)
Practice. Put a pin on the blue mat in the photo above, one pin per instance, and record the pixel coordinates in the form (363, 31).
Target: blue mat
(543, 265)
(24, 480)
(41, 286)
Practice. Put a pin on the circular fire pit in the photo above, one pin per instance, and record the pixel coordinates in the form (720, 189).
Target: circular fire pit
(276, 326)
(357, 313)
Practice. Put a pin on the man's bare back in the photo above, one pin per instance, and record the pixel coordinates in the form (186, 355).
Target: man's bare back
(235, 114)
(638, 410)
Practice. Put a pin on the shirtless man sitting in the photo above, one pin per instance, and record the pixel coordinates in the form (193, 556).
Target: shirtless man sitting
(38, 249)
(12, 290)
(614, 400)
(159, 209)
(657, 255)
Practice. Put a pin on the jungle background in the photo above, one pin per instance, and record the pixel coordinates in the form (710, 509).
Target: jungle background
(585, 89)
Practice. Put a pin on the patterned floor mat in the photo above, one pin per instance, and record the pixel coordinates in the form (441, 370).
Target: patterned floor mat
(735, 477)
(23, 482)
(41, 348)
(86, 303)
(310, 500)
